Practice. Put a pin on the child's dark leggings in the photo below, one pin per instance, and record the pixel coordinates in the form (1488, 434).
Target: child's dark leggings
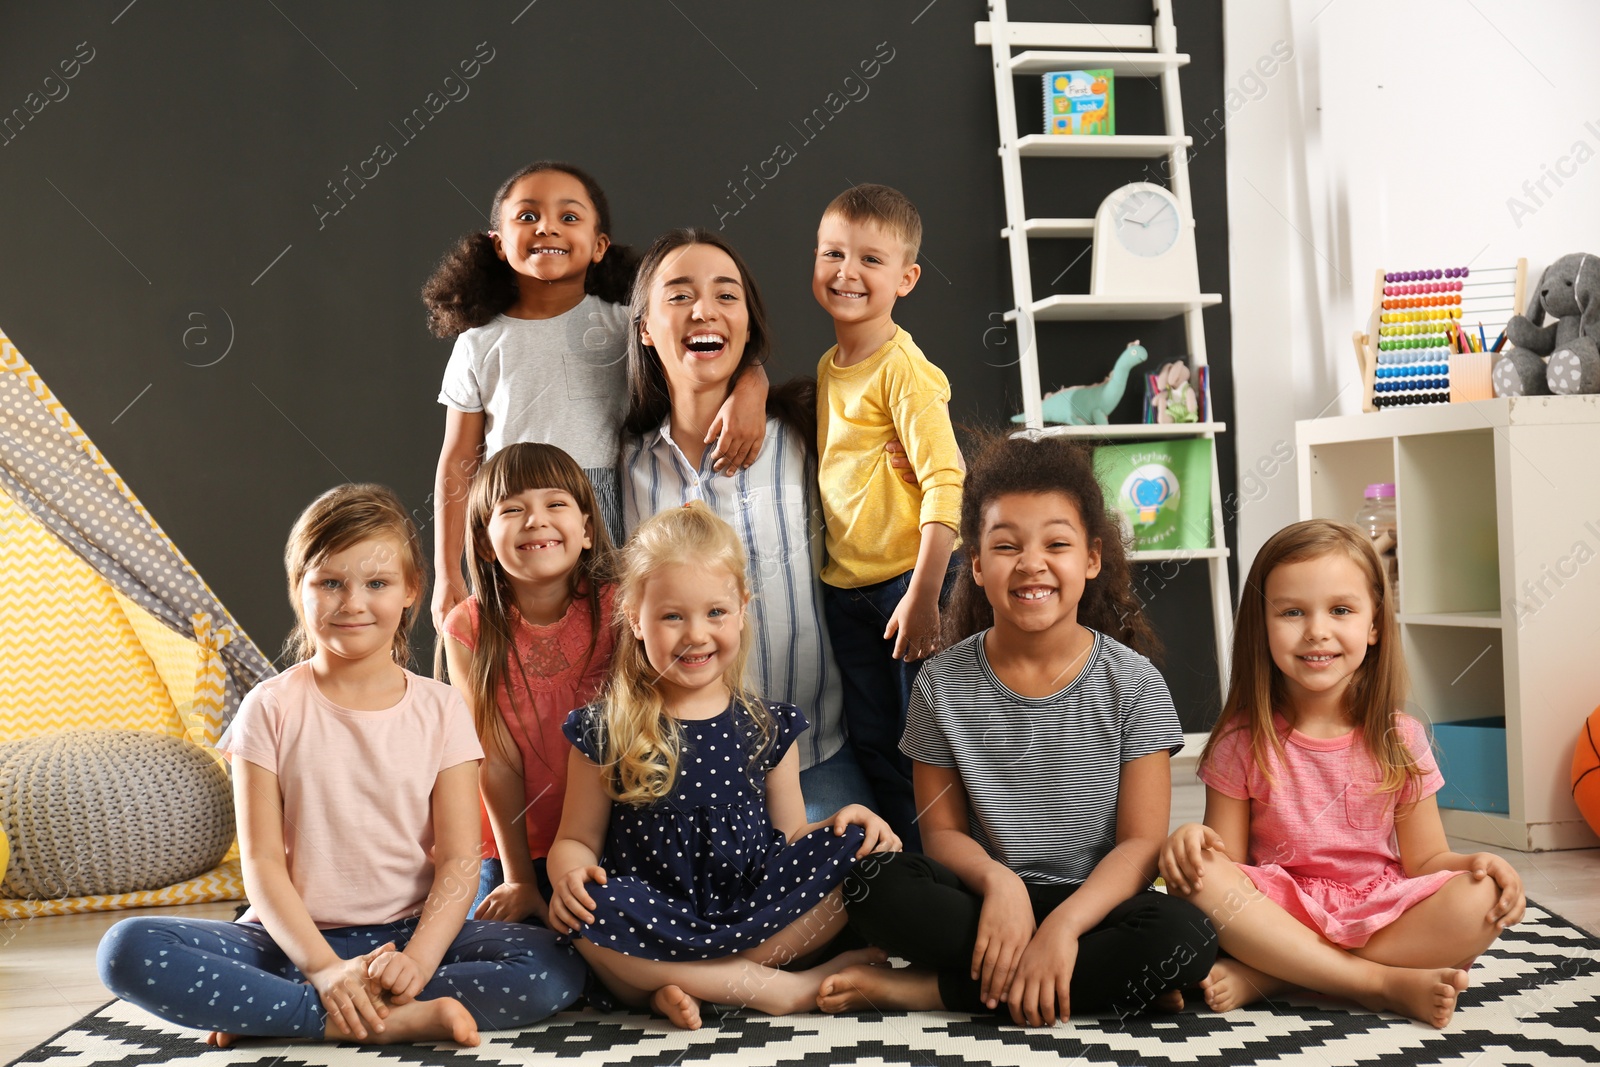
(916, 908)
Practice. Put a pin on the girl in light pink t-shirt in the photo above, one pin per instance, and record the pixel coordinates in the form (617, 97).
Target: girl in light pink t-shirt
(1322, 861)
(355, 790)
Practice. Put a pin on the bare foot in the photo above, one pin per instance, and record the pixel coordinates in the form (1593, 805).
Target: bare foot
(1169, 1003)
(218, 1039)
(1232, 984)
(1428, 996)
(682, 1010)
(878, 987)
(444, 1019)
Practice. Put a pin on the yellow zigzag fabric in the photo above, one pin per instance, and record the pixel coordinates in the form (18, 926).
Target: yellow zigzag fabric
(223, 882)
(69, 655)
(203, 716)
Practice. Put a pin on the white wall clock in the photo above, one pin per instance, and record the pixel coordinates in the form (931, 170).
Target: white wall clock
(1143, 246)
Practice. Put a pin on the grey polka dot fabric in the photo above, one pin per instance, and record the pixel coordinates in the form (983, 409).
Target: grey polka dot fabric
(64, 482)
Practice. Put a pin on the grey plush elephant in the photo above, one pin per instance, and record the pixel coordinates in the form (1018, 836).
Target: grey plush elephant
(1570, 290)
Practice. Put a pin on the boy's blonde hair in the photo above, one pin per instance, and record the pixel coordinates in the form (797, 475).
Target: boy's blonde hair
(639, 743)
(1376, 691)
(882, 206)
(343, 516)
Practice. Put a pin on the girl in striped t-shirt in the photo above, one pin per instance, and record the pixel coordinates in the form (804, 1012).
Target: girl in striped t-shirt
(1040, 746)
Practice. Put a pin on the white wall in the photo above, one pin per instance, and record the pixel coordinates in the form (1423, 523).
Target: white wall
(1401, 133)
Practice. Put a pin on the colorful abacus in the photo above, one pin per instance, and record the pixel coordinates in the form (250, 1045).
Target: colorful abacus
(1416, 357)
(1419, 307)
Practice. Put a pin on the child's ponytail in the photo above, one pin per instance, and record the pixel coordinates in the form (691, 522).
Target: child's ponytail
(470, 286)
(611, 279)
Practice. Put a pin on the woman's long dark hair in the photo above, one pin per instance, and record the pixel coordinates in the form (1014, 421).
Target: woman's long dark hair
(649, 400)
(471, 284)
(1049, 464)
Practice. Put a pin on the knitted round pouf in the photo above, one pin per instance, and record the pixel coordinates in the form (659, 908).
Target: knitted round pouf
(92, 812)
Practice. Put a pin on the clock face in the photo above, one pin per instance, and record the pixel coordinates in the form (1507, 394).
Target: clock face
(1147, 222)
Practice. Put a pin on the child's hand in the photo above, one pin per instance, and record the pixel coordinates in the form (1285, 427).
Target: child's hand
(1181, 859)
(879, 837)
(446, 595)
(570, 903)
(738, 433)
(1041, 992)
(352, 1000)
(511, 902)
(914, 627)
(1005, 926)
(900, 462)
(397, 973)
(1508, 910)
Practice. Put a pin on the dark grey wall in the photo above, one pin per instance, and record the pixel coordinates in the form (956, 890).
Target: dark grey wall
(236, 338)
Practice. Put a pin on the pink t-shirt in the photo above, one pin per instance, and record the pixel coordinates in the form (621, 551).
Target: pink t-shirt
(1321, 814)
(357, 790)
(549, 672)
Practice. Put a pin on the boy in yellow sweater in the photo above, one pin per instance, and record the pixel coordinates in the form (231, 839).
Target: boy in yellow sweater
(889, 542)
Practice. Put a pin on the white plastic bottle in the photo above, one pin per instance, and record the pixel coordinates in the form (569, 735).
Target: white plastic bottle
(1377, 520)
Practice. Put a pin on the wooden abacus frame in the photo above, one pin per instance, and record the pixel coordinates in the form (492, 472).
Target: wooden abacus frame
(1469, 372)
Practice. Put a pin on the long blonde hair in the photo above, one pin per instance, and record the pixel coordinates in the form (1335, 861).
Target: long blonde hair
(1377, 689)
(639, 742)
(343, 516)
(515, 469)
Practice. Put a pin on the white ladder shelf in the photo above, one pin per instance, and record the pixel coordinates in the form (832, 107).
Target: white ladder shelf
(1148, 51)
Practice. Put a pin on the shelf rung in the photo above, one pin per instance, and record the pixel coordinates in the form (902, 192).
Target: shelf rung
(1140, 65)
(1066, 35)
(1114, 146)
(1077, 307)
(1131, 430)
(1161, 555)
(1054, 228)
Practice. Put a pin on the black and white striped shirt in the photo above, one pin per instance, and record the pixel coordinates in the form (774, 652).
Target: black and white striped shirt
(1041, 774)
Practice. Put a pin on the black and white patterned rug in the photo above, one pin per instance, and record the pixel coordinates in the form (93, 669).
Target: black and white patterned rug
(1534, 999)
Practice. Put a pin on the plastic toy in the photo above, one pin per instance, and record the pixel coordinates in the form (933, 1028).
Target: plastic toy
(1086, 405)
(1174, 399)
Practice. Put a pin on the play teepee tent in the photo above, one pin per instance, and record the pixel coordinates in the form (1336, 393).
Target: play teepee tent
(103, 623)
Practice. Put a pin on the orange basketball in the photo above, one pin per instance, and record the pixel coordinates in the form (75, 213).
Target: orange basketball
(1586, 771)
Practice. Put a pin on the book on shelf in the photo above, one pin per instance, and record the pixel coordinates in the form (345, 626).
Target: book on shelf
(1162, 489)
(1080, 102)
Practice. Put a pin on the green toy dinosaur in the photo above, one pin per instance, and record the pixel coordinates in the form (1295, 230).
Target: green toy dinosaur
(1085, 405)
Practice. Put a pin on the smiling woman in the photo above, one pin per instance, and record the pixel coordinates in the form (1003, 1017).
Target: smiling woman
(697, 325)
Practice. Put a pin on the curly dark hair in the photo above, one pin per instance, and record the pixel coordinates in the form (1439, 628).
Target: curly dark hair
(1049, 464)
(471, 285)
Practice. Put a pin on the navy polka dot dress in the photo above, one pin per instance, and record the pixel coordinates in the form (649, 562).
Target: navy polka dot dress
(703, 873)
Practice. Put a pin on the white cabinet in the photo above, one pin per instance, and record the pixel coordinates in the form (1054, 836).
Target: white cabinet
(1498, 505)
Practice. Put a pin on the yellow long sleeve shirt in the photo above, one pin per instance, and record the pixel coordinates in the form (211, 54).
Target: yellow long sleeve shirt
(874, 518)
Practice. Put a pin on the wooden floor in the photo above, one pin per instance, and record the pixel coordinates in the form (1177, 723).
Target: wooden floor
(48, 981)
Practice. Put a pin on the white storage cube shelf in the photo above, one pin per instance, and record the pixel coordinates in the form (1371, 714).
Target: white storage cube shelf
(1498, 515)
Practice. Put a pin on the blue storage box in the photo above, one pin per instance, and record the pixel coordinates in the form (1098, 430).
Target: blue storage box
(1472, 758)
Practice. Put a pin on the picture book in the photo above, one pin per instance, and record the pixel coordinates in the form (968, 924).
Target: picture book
(1080, 102)
(1163, 490)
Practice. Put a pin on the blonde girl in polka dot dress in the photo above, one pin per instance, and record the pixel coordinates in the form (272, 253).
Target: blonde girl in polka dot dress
(684, 867)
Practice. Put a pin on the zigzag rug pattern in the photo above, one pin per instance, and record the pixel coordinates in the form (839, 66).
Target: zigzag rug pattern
(1534, 999)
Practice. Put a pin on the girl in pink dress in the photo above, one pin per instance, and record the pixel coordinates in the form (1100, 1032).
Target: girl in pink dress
(1322, 861)
(533, 642)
